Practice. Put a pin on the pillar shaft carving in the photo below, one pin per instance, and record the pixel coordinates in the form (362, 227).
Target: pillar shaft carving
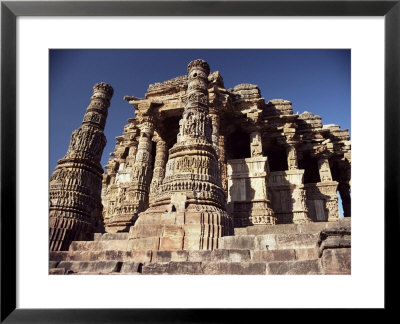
(75, 185)
(159, 168)
(292, 157)
(256, 144)
(190, 204)
(324, 169)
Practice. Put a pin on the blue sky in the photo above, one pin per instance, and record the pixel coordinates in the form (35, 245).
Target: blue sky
(317, 81)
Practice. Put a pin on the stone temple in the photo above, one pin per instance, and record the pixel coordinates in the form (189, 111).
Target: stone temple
(204, 180)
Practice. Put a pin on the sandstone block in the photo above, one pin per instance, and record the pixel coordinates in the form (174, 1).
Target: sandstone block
(266, 242)
(171, 243)
(129, 267)
(230, 255)
(273, 255)
(302, 267)
(190, 268)
(53, 264)
(307, 254)
(167, 256)
(234, 268)
(200, 255)
(336, 261)
(58, 255)
(155, 268)
(173, 231)
(297, 240)
(110, 236)
(145, 243)
(246, 242)
(90, 266)
(56, 271)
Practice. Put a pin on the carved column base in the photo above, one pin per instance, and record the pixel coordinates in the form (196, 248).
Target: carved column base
(176, 226)
(301, 217)
(262, 214)
(333, 211)
(64, 230)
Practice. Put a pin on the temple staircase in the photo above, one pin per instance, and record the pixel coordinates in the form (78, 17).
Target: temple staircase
(313, 248)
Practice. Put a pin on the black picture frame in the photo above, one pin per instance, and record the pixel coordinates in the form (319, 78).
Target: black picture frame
(10, 10)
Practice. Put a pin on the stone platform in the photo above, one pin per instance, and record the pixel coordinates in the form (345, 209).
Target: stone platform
(313, 248)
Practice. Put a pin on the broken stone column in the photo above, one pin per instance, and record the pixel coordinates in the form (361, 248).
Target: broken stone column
(75, 185)
(189, 212)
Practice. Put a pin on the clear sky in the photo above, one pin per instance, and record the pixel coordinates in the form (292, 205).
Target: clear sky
(317, 81)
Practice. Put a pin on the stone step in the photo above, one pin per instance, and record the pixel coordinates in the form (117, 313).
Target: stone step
(302, 267)
(294, 267)
(269, 241)
(219, 255)
(309, 228)
(110, 255)
(110, 236)
(202, 268)
(102, 245)
(98, 267)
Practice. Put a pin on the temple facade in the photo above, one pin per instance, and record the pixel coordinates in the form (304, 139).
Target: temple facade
(270, 166)
(203, 180)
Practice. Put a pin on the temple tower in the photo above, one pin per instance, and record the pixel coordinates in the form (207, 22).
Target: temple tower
(188, 211)
(75, 185)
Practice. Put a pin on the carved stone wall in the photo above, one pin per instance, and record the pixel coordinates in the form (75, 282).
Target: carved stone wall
(75, 185)
(188, 209)
(304, 155)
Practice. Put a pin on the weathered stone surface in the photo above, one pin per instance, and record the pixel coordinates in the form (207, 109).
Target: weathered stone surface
(75, 185)
(53, 264)
(307, 254)
(203, 180)
(309, 267)
(189, 268)
(90, 266)
(56, 271)
(110, 236)
(167, 256)
(336, 261)
(273, 255)
(234, 268)
(130, 267)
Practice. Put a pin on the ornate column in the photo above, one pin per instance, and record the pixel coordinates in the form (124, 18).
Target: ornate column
(215, 120)
(75, 185)
(222, 164)
(141, 174)
(189, 211)
(329, 187)
(256, 144)
(159, 168)
(292, 157)
(324, 169)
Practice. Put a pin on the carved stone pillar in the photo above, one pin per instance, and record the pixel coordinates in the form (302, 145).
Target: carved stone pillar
(189, 211)
(256, 144)
(215, 120)
(222, 164)
(75, 185)
(141, 174)
(292, 157)
(159, 168)
(299, 207)
(324, 169)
